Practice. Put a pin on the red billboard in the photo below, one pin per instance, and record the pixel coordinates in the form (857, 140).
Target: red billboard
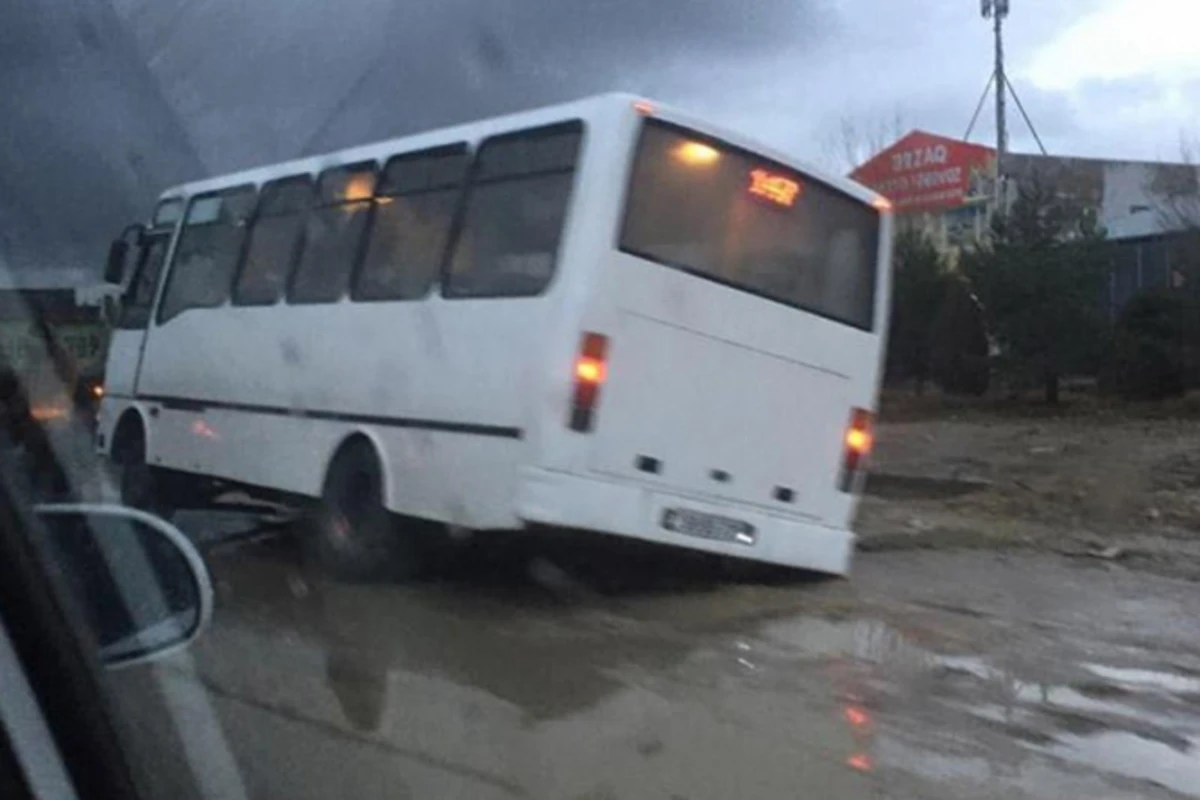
(923, 172)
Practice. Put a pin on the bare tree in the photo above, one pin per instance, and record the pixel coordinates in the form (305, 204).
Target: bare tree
(857, 138)
(1176, 189)
(1174, 192)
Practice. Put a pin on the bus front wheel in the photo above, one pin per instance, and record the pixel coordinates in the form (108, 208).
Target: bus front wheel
(139, 483)
(350, 533)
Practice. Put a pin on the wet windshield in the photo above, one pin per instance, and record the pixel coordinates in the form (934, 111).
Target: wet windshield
(617, 400)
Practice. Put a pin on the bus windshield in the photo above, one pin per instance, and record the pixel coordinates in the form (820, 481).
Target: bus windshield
(724, 214)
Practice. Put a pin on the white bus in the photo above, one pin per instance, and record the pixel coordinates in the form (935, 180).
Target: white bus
(605, 316)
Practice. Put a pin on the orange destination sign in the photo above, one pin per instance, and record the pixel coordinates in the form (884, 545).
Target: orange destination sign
(771, 186)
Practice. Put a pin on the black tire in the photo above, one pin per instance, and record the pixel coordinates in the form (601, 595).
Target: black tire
(350, 534)
(140, 484)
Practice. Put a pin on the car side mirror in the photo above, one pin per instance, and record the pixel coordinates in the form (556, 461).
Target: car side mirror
(138, 582)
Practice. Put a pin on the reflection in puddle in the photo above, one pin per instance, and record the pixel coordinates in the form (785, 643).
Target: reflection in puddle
(854, 695)
(864, 640)
(360, 688)
(937, 767)
(1135, 757)
(857, 717)
(1089, 715)
(972, 665)
(1096, 698)
(964, 775)
(860, 762)
(1164, 681)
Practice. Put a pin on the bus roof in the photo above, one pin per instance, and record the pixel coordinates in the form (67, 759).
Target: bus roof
(585, 109)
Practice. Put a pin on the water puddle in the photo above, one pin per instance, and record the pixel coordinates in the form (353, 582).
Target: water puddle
(974, 666)
(1085, 716)
(1026, 692)
(1134, 756)
(934, 766)
(1032, 776)
(1110, 733)
(865, 640)
(1146, 678)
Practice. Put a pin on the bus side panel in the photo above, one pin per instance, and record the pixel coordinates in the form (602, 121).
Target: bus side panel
(426, 378)
(584, 300)
(275, 451)
(441, 476)
(469, 481)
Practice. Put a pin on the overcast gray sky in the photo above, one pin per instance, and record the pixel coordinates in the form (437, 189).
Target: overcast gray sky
(107, 102)
(1107, 78)
(258, 81)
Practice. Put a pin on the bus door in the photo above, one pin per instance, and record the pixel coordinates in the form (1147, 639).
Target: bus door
(142, 278)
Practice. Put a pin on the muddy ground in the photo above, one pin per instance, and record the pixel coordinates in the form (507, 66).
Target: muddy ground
(1089, 486)
(929, 675)
(1023, 622)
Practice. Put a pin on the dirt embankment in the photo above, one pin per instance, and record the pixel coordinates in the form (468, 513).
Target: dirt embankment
(1112, 489)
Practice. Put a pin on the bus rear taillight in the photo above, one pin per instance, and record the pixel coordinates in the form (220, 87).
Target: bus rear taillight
(591, 370)
(856, 446)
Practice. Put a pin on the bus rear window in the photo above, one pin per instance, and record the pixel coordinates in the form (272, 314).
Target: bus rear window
(726, 215)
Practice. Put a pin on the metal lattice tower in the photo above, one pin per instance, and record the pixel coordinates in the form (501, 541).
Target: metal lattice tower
(997, 11)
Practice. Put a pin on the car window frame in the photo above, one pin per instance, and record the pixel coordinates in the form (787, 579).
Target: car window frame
(52, 651)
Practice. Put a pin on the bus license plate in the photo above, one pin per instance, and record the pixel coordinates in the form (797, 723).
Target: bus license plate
(708, 526)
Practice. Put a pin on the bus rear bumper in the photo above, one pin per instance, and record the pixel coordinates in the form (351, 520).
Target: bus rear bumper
(562, 499)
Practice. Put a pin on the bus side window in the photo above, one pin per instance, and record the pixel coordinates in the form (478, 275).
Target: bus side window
(207, 254)
(410, 224)
(333, 234)
(272, 241)
(516, 206)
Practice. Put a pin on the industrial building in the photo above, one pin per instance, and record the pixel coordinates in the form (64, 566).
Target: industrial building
(947, 187)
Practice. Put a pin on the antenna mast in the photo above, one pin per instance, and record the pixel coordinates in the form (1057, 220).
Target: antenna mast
(997, 11)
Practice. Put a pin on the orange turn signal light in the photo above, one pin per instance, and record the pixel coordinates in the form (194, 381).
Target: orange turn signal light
(590, 369)
(858, 440)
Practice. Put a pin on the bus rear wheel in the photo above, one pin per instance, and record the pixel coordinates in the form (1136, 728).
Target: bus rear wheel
(350, 534)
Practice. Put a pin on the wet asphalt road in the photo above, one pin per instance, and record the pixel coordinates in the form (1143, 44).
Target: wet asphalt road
(559, 668)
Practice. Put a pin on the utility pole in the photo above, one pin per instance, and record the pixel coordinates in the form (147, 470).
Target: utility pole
(997, 11)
